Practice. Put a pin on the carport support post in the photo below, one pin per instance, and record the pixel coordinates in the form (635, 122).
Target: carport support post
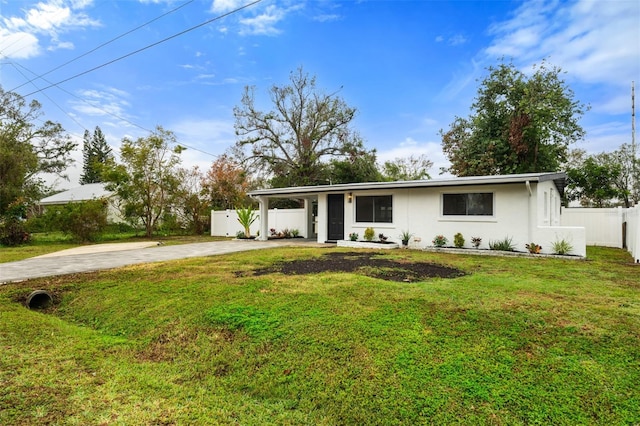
(264, 218)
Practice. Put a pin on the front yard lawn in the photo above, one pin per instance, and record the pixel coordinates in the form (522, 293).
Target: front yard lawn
(237, 340)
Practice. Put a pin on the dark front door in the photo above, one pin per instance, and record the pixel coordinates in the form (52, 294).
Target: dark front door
(335, 204)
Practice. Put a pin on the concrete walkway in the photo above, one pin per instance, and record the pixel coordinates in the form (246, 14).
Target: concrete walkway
(109, 256)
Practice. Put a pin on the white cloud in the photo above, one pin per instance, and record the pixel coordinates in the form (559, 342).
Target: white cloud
(204, 133)
(62, 45)
(410, 146)
(327, 17)
(223, 6)
(265, 23)
(595, 42)
(99, 103)
(45, 19)
(19, 44)
(454, 40)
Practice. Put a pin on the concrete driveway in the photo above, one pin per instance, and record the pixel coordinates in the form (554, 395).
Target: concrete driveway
(109, 256)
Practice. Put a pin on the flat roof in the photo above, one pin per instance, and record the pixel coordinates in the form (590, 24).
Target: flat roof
(301, 191)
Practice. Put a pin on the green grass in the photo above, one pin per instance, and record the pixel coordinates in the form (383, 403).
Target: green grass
(516, 341)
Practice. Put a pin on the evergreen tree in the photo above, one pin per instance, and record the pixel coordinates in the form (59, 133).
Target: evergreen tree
(95, 153)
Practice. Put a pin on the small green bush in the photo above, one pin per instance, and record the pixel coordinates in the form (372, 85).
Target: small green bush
(84, 221)
(458, 240)
(502, 245)
(369, 233)
(353, 236)
(562, 247)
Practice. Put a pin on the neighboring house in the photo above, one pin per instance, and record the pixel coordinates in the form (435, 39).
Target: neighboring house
(90, 191)
(524, 207)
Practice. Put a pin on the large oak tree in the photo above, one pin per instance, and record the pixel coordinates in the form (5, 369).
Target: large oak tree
(293, 143)
(519, 124)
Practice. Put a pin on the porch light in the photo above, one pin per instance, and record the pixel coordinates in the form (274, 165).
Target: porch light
(350, 197)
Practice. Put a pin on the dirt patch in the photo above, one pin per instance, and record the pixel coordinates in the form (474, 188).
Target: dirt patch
(365, 263)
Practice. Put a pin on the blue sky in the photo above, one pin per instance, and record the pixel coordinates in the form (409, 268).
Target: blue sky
(409, 67)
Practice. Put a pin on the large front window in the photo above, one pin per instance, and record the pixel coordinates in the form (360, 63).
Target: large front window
(374, 209)
(470, 204)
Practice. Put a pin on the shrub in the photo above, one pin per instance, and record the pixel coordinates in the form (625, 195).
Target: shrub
(562, 247)
(502, 245)
(246, 217)
(369, 233)
(13, 232)
(382, 237)
(476, 241)
(353, 236)
(440, 241)
(84, 221)
(534, 248)
(458, 240)
(295, 233)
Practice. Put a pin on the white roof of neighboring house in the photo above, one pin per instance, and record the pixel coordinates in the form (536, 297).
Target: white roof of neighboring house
(558, 178)
(86, 192)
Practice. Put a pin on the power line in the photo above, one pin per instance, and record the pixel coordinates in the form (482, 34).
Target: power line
(16, 65)
(147, 47)
(105, 43)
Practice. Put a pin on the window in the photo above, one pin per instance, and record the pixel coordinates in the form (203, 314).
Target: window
(472, 204)
(376, 209)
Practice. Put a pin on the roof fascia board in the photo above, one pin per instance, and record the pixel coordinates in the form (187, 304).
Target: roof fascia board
(464, 181)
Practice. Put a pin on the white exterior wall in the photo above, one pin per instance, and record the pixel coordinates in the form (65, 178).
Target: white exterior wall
(518, 214)
(225, 223)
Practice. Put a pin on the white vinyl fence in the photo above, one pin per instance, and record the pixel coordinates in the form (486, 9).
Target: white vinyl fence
(605, 226)
(633, 232)
(225, 223)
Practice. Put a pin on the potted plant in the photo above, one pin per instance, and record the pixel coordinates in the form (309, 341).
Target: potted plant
(405, 236)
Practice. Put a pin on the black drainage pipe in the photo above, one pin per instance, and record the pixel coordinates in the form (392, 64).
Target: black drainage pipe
(39, 299)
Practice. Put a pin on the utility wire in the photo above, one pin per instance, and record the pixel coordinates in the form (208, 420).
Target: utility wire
(16, 65)
(105, 43)
(147, 47)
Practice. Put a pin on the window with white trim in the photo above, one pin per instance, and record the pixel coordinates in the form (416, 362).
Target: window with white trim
(468, 204)
(374, 208)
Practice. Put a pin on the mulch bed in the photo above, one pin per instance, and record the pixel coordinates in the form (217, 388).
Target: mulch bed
(365, 263)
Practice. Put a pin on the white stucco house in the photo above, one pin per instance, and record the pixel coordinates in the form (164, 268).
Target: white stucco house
(523, 207)
(90, 191)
